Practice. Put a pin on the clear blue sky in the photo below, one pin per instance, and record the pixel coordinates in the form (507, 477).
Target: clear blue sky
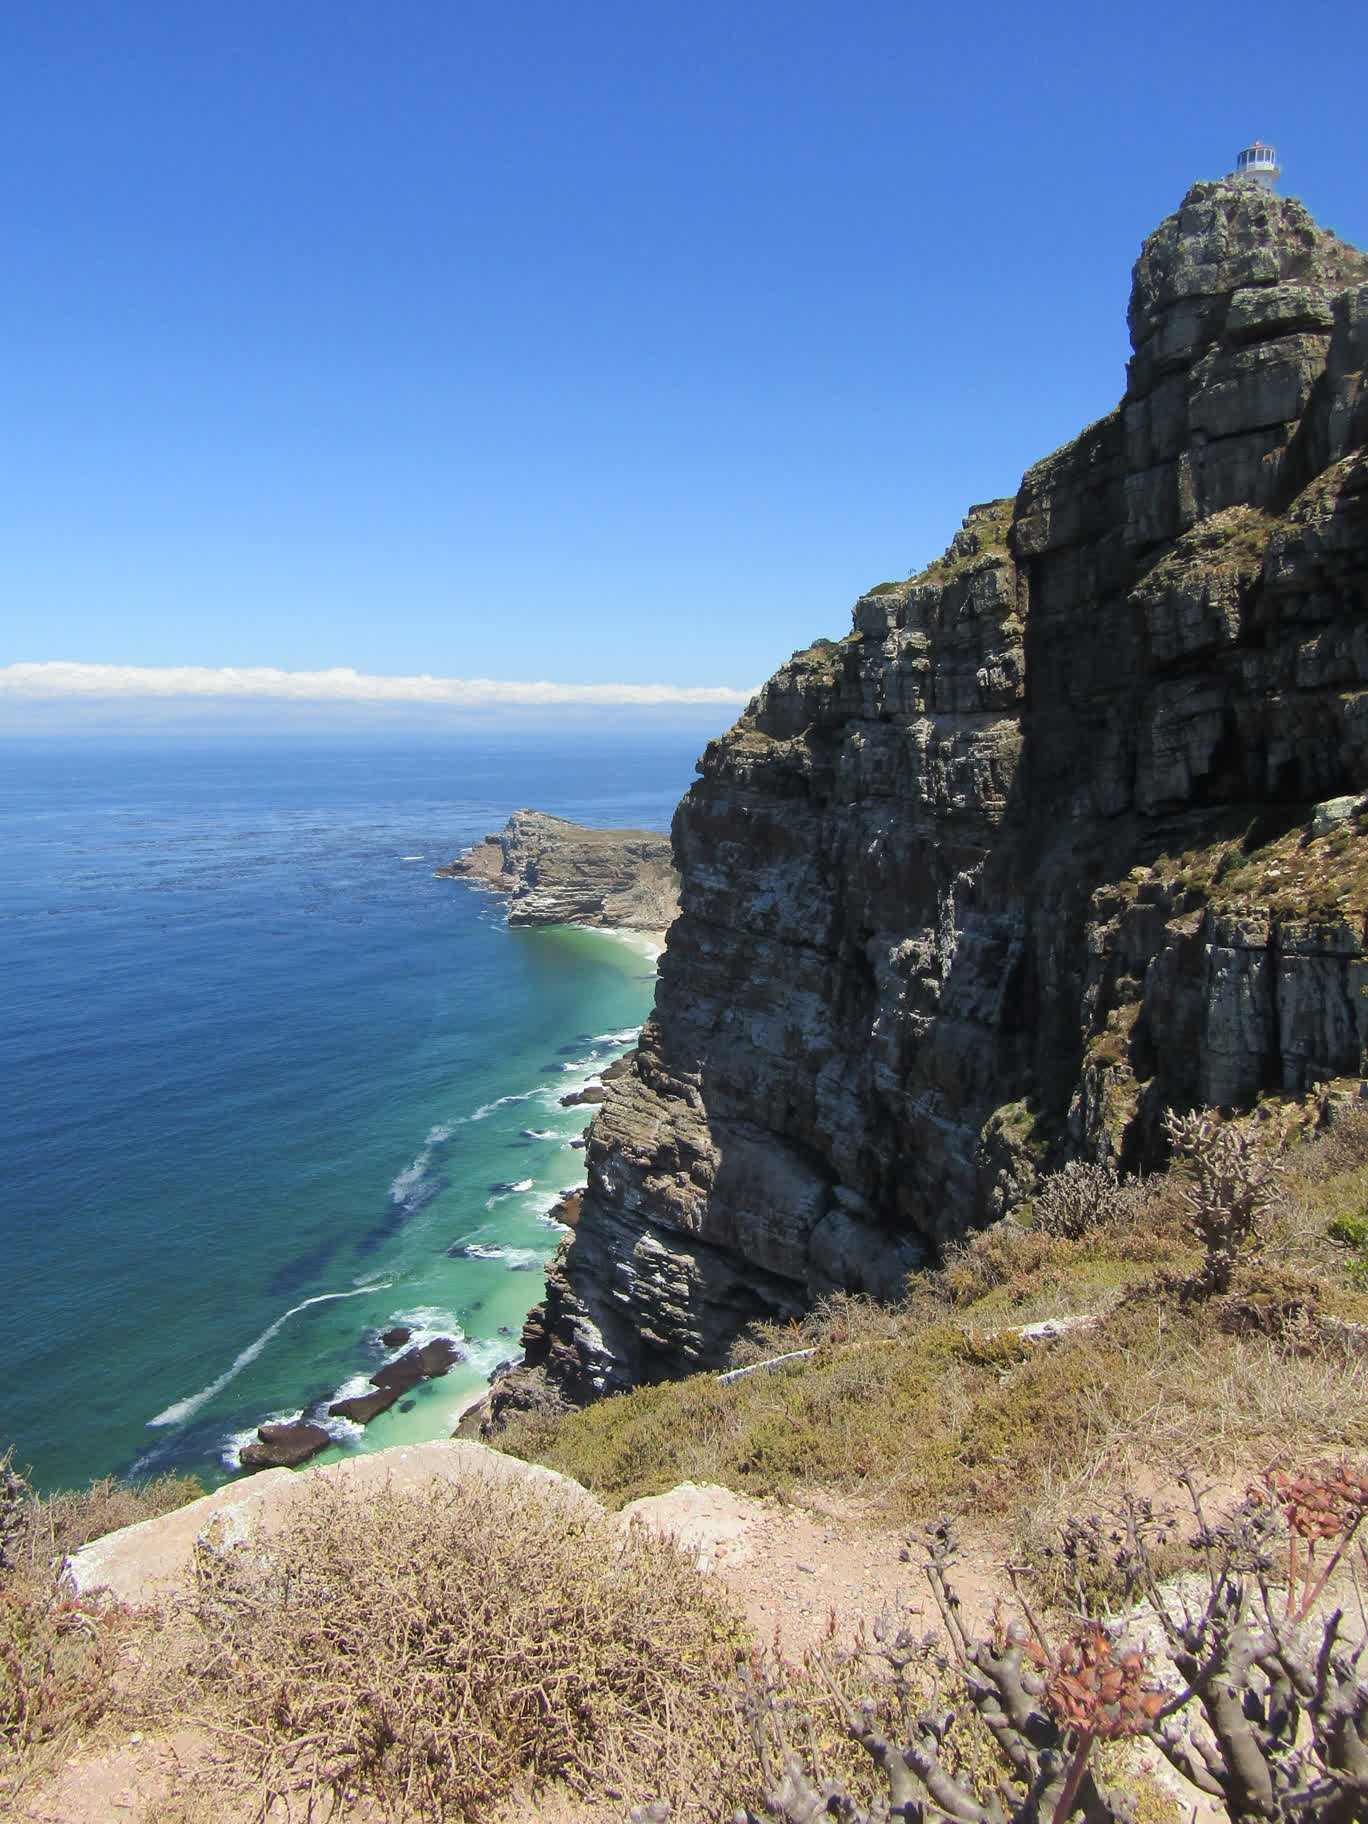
(586, 342)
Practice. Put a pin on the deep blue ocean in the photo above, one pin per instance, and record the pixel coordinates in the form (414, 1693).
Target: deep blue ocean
(262, 1072)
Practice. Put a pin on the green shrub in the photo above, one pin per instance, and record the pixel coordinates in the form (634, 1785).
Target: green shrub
(1352, 1231)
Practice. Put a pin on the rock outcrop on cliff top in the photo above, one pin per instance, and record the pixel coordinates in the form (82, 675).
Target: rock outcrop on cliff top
(979, 887)
(556, 872)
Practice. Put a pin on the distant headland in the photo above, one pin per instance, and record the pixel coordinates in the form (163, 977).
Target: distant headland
(555, 872)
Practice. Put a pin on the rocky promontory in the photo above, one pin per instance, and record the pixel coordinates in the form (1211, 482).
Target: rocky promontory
(1033, 853)
(555, 872)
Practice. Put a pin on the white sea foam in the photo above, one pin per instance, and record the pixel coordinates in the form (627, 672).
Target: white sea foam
(353, 1388)
(181, 1410)
(340, 1430)
(413, 858)
(410, 1179)
(521, 1260)
(506, 1191)
(426, 1323)
(486, 1109)
(230, 1451)
(484, 1357)
(627, 1037)
(644, 945)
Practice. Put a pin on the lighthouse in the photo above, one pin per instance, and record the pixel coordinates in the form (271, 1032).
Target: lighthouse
(1258, 164)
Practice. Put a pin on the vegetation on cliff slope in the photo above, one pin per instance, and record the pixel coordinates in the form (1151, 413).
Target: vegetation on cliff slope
(949, 1402)
(436, 1658)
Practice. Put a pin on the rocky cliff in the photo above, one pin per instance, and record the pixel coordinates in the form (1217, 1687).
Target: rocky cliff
(1032, 853)
(556, 872)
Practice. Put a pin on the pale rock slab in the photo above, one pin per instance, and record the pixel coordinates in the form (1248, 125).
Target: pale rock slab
(154, 1560)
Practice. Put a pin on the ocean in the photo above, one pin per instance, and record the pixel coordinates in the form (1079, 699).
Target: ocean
(271, 1088)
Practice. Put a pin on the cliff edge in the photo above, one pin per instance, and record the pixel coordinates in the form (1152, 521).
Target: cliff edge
(1033, 853)
(555, 872)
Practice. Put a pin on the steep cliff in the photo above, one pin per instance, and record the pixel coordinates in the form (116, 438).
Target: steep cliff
(1031, 853)
(556, 872)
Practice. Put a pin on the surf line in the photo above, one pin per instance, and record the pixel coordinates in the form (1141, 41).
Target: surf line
(185, 1409)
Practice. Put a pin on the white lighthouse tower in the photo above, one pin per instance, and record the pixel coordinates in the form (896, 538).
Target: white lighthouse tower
(1258, 164)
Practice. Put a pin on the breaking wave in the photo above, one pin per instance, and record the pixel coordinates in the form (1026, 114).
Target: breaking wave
(181, 1410)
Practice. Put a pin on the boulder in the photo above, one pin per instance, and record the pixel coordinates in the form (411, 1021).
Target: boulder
(437, 1356)
(284, 1446)
(154, 1560)
(707, 1522)
(361, 1408)
(402, 1374)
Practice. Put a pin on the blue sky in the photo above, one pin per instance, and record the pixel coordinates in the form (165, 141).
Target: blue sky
(589, 343)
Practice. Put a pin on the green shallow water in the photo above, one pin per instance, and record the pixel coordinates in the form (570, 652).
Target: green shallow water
(264, 1071)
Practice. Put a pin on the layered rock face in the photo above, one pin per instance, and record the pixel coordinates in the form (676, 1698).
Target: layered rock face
(556, 872)
(932, 935)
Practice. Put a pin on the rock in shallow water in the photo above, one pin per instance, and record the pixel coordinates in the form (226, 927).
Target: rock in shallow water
(363, 1407)
(402, 1374)
(438, 1356)
(593, 1092)
(283, 1446)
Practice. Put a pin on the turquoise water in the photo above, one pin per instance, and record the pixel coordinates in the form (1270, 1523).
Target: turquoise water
(263, 1071)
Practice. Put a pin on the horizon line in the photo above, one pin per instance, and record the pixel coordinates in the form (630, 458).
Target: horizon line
(72, 680)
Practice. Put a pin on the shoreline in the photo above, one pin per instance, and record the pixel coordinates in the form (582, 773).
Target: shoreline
(465, 1417)
(462, 1414)
(650, 943)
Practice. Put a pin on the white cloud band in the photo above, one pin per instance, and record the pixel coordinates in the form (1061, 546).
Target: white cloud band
(63, 680)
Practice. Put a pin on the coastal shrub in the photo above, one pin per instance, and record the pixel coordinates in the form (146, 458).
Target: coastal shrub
(62, 1656)
(1073, 1202)
(1247, 1677)
(1140, 1227)
(1341, 1147)
(1350, 1231)
(15, 1496)
(435, 1653)
(955, 1415)
(59, 1656)
(1234, 1188)
(36, 1529)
